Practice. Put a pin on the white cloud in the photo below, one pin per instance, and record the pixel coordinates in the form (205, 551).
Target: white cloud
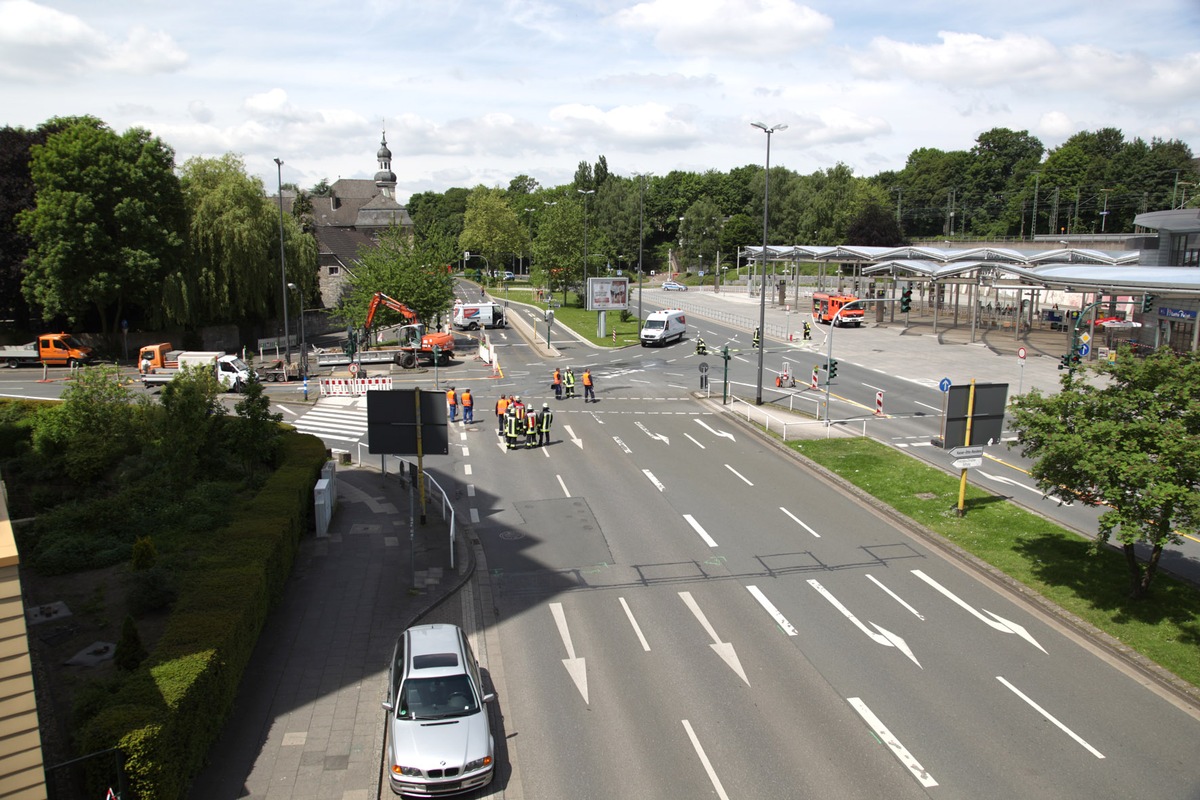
(962, 59)
(755, 28)
(1054, 125)
(648, 125)
(39, 43)
(274, 105)
(838, 125)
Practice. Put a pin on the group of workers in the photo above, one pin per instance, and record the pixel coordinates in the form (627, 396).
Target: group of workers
(559, 381)
(454, 400)
(514, 419)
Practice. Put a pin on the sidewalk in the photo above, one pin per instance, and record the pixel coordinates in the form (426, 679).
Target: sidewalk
(307, 721)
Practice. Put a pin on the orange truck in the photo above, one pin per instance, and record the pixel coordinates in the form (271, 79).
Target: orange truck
(153, 357)
(51, 349)
(826, 307)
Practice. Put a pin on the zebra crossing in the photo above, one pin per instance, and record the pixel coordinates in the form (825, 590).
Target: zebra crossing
(341, 420)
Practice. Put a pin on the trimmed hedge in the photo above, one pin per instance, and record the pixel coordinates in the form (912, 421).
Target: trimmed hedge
(167, 715)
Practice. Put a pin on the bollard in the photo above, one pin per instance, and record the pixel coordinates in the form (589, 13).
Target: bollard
(816, 370)
(879, 403)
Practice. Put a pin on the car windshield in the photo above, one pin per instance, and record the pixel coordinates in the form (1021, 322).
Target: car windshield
(653, 324)
(436, 698)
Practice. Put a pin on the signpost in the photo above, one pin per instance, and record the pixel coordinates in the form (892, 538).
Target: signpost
(1021, 364)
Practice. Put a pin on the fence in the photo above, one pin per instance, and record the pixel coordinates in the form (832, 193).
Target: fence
(768, 416)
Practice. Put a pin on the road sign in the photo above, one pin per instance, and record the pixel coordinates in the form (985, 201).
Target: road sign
(945, 385)
(1021, 353)
(1085, 337)
(967, 451)
(1084, 349)
(353, 368)
(967, 463)
(703, 367)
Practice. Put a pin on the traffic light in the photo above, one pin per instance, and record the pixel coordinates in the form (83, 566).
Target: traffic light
(1075, 359)
(1064, 362)
(1147, 303)
(832, 368)
(906, 300)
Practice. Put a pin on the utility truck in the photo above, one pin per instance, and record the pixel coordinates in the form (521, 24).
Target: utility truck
(661, 327)
(51, 349)
(473, 316)
(230, 371)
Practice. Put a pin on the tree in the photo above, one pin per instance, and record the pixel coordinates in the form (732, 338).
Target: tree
(558, 246)
(1128, 445)
(254, 433)
(92, 429)
(412, 269)
(108, 223)
(874, 226)
(491, 226)
(701, 233)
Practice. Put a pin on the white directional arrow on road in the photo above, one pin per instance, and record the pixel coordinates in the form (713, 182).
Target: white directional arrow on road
(723, 649)
(657, 436)
(574, 665)
(578, 442)
(726, 434)
(991, 620)
(883, 637)
(1008, 482)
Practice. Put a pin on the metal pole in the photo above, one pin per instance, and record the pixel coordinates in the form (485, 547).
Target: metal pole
(287, 339)
(641, 239)
(762, 297)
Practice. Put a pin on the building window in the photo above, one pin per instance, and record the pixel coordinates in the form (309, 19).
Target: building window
(333, 270)
(1185, 250)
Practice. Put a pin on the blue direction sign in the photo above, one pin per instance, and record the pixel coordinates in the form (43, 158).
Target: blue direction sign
(1084, 349)
(945, 385)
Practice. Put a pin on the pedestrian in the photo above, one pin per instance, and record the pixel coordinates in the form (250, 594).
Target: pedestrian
(468, 405)
(570, 380)
(556, 382)
(510, 428)
(807, 331)
(589, 389)
(501, 408)
(546, 418)
(757, 339)
(519, 409)
(531, 428)
(452, 403)
(701, 349)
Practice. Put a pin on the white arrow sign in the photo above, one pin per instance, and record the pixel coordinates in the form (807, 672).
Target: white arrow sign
(991, 620)
(657, 436)
(967, 451)
(578, 442)
(966, 463)
(575, 667)
(883, 637)
(726, 434)
(723, 649)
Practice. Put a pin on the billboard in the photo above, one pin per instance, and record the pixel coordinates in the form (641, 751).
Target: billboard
(607, 294)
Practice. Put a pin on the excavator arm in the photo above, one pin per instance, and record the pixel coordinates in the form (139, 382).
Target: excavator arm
(381, 299)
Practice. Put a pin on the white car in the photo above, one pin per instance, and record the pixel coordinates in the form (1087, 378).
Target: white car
(439, 739)
(672, 286)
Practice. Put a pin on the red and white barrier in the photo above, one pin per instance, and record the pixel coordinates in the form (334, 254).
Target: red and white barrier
(353, 387)
(814, 377)
(879, 403)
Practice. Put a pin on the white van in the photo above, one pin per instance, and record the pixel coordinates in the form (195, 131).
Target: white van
(473, 316)
(663, 327)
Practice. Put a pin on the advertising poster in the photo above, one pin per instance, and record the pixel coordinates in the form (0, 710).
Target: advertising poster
(607, 294)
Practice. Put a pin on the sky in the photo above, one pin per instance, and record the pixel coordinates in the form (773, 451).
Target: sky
(477, 92)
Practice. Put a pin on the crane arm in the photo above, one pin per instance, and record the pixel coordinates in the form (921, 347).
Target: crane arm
(391, 303)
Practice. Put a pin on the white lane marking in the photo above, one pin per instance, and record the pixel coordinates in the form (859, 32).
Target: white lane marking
(799, 522)
(578, 442)
(660, 437)
(466, 469)
(475, 515)
(906, 758)
(714, 432)
(563, 485)
(635, 380)
(696, 527)
(470, 490)
(636, 628)
(935, 408)
(466, 452)
(462, 436)
(702, 447)
(708, 767)
(654, 480)
(780, 619)
(575, 666)
(622, 445)
(874, 388)
(1047, 715)
(740, 475)
(1010, 482)
(723, 649)
(996, 622)
(895, 597)
(284, 409)
(883, 637)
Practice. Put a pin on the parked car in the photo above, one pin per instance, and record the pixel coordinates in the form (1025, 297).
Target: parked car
(672, 286)
(508, 276)
(439, 739)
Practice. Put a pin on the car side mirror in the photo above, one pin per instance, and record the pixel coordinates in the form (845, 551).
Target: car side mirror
(387, 705)
(489, 697)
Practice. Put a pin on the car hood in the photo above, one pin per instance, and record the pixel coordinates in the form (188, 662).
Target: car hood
(433, 743)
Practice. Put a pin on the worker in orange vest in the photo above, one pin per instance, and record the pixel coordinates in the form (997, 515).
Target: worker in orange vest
(468, 404)
(501, 407)
(452, 402)
(589, 390)
(557, 384)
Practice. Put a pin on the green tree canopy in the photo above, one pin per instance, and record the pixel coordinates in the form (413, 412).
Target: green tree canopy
(411, 269)
(558, 246)
(491, 226)
(108, 223)
(1128, 444)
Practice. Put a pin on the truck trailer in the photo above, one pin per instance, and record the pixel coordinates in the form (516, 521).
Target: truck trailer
(51, 349)
(230, 371)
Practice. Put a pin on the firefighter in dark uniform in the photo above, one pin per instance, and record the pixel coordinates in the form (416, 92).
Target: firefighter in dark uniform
(807, 331)
(757, 339)
(701, 349)
(545, 419)
(531, 428)
(510, 427)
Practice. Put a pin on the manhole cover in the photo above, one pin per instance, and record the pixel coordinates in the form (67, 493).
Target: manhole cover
(511, 535)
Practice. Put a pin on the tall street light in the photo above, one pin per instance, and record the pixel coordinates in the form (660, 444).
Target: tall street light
(762, 296)
(287, 339)
(529, 264)
(641, 238)
(585, 193)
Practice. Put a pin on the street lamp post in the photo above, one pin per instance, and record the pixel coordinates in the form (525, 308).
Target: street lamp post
(303, 341)
(287, 339)
(585, 193)
(762, 296)
(529, 265)
(641, 240)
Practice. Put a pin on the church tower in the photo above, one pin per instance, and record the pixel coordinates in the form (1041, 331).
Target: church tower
(385, 179)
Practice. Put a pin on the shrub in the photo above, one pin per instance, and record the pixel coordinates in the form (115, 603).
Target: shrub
(145, 555)
(130, 652)
(153, 589)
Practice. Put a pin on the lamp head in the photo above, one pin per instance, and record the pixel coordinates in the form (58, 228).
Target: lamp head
(278, 163)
